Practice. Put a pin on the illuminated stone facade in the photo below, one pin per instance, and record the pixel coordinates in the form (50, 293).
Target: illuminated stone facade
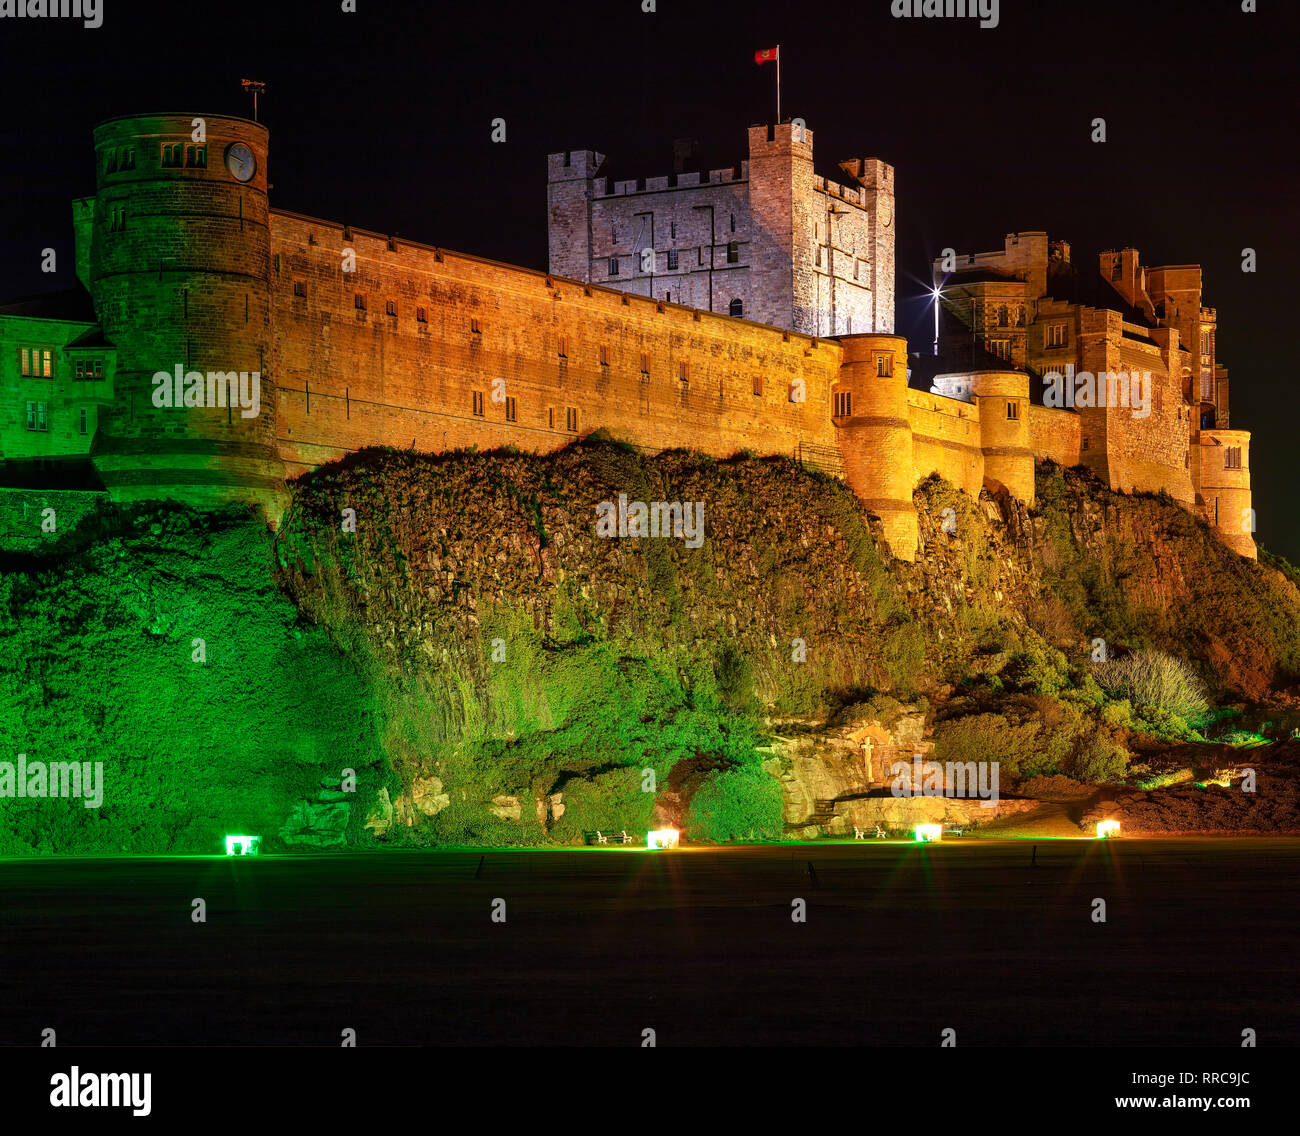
(361, 339)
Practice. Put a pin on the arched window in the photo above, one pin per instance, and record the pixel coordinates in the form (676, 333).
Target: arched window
(737, 308)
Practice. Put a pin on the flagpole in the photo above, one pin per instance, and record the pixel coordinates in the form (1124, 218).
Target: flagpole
(778, 84)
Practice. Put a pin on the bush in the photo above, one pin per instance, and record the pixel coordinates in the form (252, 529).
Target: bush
(1098, 758)
(742, 803)
(1155, 681)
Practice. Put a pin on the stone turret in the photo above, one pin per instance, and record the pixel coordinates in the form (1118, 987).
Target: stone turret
(179, 269)
(869, 407)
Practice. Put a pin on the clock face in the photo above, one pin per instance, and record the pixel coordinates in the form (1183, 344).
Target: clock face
(240, 161)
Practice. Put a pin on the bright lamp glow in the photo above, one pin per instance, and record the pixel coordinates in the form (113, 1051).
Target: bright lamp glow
(1107, 828)
(662, 838)
(927, 833)
(242, 845)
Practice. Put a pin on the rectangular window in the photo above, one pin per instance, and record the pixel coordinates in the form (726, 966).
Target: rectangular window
(26, 360)
(512, 409)
(196, 157)
(1013, 411)
(300, 287)
(89, 369)
(733, 253)
(562, 347)
(1000, 347)
(844, 404)
(475, 327)
(478, 404)
(684, 372)
(571, 419)
(645, 363)
(1232, 458)
(550, 417)
(1056, 335)
(672, 260)
(110, 161)
(613, 266)
(359, 301)
(884, 366)
(421, 315)
(172, 154)
(604, 356)
(758, 386)
(128, 158)
(36, 419)
(84, 420)
(390, 307)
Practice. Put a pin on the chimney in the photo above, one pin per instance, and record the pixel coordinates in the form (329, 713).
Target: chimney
(683, 152)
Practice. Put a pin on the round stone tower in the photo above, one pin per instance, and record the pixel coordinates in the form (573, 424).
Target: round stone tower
(179, 270)
(869, 409)
(1003, 401)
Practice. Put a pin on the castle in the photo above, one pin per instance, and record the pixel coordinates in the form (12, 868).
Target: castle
(748, 309)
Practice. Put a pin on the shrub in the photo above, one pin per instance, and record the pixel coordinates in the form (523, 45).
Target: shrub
(1155, 681)
(1098, 758)
(741, 803)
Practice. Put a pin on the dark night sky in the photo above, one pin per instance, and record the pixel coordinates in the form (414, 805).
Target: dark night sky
(381, 119)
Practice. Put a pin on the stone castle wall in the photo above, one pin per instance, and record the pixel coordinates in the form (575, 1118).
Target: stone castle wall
(418, 347)
(505, 356)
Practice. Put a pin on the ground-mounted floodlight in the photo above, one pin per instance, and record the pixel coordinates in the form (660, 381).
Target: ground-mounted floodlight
(928, 833)
(662, 838)
(1107, 828)
(242, 845)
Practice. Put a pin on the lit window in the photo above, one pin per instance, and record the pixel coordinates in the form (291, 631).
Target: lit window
(884, 366)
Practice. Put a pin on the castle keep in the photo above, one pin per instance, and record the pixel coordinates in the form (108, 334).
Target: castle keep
(361, 339)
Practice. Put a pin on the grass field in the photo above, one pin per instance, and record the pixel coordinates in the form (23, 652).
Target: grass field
(901, 941)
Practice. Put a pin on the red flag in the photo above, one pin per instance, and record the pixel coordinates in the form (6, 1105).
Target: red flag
(761, 57)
